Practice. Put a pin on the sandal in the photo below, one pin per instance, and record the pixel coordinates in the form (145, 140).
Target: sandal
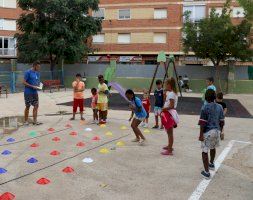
(167, 153)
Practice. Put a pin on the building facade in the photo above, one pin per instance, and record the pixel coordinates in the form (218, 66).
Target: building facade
(137, 30)
(9, 13)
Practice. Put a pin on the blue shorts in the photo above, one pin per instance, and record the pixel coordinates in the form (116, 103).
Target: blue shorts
(157, 110)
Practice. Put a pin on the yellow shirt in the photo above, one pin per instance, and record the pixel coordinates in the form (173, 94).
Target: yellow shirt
(102, 97)
(80, 86)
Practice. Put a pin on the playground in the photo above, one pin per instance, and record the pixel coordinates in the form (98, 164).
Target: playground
(64, 159)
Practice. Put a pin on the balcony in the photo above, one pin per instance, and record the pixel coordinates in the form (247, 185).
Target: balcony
(5, 53)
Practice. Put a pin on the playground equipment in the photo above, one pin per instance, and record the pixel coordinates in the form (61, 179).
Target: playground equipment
(166, 62)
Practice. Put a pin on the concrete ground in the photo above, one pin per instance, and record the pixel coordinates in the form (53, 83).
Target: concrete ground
(123, 170)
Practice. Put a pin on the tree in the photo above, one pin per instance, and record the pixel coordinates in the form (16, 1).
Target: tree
(217, 39)
(56, 29)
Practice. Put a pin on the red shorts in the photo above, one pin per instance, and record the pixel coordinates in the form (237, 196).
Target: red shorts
(78, 103)
(167, 120)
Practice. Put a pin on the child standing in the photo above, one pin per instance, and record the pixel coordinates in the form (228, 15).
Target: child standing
(159, 100)
(78, 88)
(94, 102)
(211, 124)
(140, 115)
(220, 101)
(169, 114)
(102, 102)
(147, 106)
(210, 84)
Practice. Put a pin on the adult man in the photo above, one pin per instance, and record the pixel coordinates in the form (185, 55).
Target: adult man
(32, 82)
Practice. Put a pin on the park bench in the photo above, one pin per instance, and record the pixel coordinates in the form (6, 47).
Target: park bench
(3, 89)
(52, 84)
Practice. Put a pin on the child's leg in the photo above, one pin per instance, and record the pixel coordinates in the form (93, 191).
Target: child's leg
(205, 161)
(212, 155)
(96, 114)
(170, 139)
(81, 101)
(156, 120)
(134, 125)
(74, 109)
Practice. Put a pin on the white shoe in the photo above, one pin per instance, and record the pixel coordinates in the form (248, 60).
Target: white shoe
(26, 124)
(142, 142)
(145, 125)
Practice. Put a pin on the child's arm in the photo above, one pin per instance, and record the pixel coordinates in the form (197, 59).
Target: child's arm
(131, 116)
(171, 105)
(202, 123)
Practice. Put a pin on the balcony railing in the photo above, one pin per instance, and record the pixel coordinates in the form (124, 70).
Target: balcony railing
(11, 52)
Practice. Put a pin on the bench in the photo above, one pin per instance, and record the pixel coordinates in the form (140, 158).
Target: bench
(3, 89)
(51, 84)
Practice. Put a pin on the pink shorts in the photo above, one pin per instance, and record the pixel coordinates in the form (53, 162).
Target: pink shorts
(167, 120)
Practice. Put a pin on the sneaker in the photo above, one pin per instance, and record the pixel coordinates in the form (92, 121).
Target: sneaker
(145, 125)
(155, 127)
(211, 166)
(94, 122)
(72, 118)
(37, 123)
(26, 124)
(142, 142)
(167, 153)
(135, 140)
(206, 175)
(82, 119)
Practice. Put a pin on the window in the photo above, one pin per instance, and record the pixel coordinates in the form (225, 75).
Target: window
(100, 38)
(99, 13)
(1, 24)
(124, 38)
(8, 3)
(197, 12)
(160, 38)
(217, 11)
(9, 25)
(7, 46)
(238, 12)
(124, 14)
(160, 13)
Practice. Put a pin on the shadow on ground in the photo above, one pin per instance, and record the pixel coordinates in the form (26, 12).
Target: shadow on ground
(186, 105)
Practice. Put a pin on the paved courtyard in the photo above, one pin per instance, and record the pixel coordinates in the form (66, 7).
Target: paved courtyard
(73, 160)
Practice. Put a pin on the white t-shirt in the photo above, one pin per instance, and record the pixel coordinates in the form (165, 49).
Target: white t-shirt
(171, 95)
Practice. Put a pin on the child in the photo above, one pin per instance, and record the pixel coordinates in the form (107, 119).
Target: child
(211, 124)
(147, 106)
(219, 100)
(94, 101)
(102, 102)
(140, 115)
(210, 84)
(169, 114)
(159, 99)
(78, 88)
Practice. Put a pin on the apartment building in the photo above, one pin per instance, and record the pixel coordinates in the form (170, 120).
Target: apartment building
(9, 12)
(137, 30)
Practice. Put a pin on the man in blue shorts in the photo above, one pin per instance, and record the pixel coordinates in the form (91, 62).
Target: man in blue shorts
(32, 82)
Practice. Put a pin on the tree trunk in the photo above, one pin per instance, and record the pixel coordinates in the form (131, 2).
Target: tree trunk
(217, 67)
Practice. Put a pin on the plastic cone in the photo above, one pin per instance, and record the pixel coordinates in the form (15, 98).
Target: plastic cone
(73, 133)
(34, 145)
(6, 152)
(3, 171)
(51, 129)
(146, 131)
(55, 153)
(7, 196)
(43, 181)
(120, 144)
(80, 144)
(68, 126)
(32, 160)
(68, 170)
(95, 138)
(10, 140)
(108, 133)
(104, 151)
(102, 125)
(123, 127)
(56, 139)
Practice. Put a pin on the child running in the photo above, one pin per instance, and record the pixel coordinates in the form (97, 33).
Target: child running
(94, 102)
(169, 114)
(140, 115)
(211, 124)
(147, 106)
(220, 101)
(102, 102)
(78, 88)
(159, 99)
